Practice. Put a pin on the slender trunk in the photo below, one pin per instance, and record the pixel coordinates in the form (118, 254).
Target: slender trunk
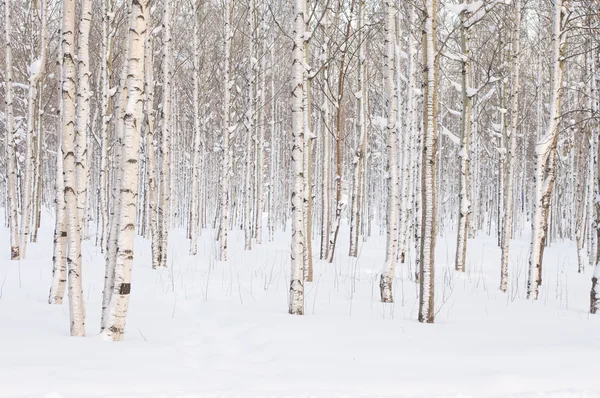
(68, 76)
(296, 295)
(512, 148)
(10, 134)
(225, 161)
(359, 158)
(196, 163)
(464, 203)
(387, 274)
(428, 175)
(165, 170)
(119, 303)
(545, 167)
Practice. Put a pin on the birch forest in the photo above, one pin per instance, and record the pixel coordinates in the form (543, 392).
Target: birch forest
(183, 172)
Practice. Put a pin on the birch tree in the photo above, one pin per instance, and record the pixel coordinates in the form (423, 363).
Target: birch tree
(296, 297)
(119, 303)
(225, 160)
(512, 146)
(10, 136)
(69, 76)
(428, 177)
(545, 153)
(387, 274)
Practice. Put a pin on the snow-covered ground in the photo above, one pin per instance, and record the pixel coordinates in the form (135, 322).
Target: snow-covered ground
(206, 329)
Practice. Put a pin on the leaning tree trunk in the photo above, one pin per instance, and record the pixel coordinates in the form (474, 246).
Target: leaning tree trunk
(512, 149)
(296, 297)
(387, 274)
(428, 177)
(68, 77)
(11, 158)
(545, 155)
(119, 303)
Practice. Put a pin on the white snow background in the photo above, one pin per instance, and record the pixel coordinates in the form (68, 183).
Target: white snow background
(207, 329)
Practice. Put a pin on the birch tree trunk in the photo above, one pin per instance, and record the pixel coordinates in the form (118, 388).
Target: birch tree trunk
(68, 76)
(428, 177)
(83, 109)
(105, 124)
(165, 171)
(11, 158)
(464, 154)
(359, 154)
(196, 163)
(250, 127)
(225, 161)
(119, 303)
(545, 151)
(512, 147)
(151, 150)
(387, 274)
(36, 71)
(296, 298)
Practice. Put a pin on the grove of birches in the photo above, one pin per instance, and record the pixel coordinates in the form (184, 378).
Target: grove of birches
(403, 118)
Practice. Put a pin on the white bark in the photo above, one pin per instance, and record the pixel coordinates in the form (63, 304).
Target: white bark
(512, 148)
(464, 204)
(10, 134)
(119, 303)
(225, 160)
(387, 274)
(545, 167)
(68, 76)
(197, 138)
(34, 78)
(165, 171)
(83, 108)
(359, 160)
(296, 297)
(428, 183)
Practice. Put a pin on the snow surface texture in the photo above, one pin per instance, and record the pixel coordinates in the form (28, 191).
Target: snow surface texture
(206, 329)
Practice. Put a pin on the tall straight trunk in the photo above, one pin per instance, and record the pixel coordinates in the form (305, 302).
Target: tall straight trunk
(359, 154)
(545, 154)
(11, 158)
(512, 147)
(226, 158)
(260, 157)
(59, 259)
(428, 167)
(119, 303)
(68, 77)
(83, 108)
(250, 127)
(271, 204)
(339, 204)
(296, 295)
(464, 204)
(35, 74)
(151, 150)
(105, 123)
(196, 163)
(405, 140)
(595, 290)
(387, 274)
(111, 252)
(165, 171)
